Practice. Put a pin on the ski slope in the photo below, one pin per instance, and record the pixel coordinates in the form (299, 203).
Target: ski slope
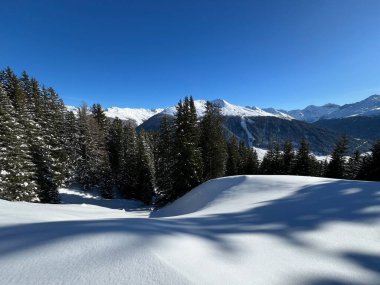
(234, 230)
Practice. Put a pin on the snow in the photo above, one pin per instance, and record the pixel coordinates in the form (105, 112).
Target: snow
(227, 109)
(367, 107)
(234, 230)
(139, 115)
(312, 113)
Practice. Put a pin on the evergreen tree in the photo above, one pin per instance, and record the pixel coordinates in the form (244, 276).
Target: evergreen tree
(115, 150)
(251, 162)
(233, 158)
(337, 165)
(353, 166)
(188, 168)
(146, 174)
(304, 160)
(213, 144)
(288, 157)
(16, 167)
(370, 169)
(129, 169)
(165, 162)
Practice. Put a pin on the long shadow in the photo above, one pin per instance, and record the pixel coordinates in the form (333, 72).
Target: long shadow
(306, 210)
(117, 204)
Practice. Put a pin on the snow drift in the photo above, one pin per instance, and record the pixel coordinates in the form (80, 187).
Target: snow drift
(234, 230)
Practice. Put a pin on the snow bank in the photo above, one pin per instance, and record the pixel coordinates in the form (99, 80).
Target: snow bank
(234, 230)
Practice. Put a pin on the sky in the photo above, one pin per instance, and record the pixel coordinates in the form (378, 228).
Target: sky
(274, 53)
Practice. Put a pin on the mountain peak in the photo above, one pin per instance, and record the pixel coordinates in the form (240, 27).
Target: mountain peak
(374, 97)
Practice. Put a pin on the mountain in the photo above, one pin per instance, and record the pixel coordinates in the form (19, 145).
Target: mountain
(137, 115)
(261, 131)
(227, 109)
(368, 107)
(134, 115)
(311, 113)
(260, 127)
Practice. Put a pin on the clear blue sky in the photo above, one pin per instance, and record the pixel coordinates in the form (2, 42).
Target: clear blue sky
(283, 53)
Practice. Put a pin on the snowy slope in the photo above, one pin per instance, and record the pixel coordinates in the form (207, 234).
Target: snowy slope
(367, 107)
(312, 113)
(235, 230)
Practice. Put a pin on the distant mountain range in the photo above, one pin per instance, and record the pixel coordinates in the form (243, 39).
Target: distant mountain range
(321, 125)
(368, 107)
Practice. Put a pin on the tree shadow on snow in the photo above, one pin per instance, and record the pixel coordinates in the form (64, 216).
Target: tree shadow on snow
(283, 218)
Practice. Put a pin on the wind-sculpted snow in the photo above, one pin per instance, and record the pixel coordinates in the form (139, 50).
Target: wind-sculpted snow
(234, 230)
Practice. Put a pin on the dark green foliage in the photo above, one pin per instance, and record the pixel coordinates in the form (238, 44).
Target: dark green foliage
(353, 166)
(370, 169)
(304, 162)
(233, 159)
(165, 162)
(249, 161)
(115, 150)
(288, 157)
(17, 181)
(188, 166)
(337, 166)
(129, 169)
(273, 161)
(145, 169)
(213, 144)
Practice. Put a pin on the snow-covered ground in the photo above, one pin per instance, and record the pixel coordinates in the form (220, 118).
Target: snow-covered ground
(235, 230)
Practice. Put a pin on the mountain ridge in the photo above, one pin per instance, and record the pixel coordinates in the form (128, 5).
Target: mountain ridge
(367, 107)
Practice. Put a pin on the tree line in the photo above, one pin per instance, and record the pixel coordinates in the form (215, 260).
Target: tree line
(43, 147)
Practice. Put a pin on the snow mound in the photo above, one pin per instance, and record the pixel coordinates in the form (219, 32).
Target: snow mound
(239, 193)
(236, 230)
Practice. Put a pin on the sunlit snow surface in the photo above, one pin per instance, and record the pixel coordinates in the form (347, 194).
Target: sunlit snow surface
(237, 230)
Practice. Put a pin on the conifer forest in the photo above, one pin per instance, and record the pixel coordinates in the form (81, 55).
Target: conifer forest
(43, 147)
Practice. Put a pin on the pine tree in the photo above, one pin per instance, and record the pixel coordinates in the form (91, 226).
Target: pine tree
(213, 144)
(375, 173)
(353, 166)
(115, 150)
(188, 168)
(337, 165)
(129, 169)
(12, 88)
(304, 161)
(288, 157)
(268, 164)
(233, 158)
(72, 145)
(17, 170)
(146, 174)
(252, 162)
(165, 162)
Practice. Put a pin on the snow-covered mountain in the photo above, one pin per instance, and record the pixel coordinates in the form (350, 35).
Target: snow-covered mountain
(227, 109)
(368, 107)
(139, 115)
(312, 113)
